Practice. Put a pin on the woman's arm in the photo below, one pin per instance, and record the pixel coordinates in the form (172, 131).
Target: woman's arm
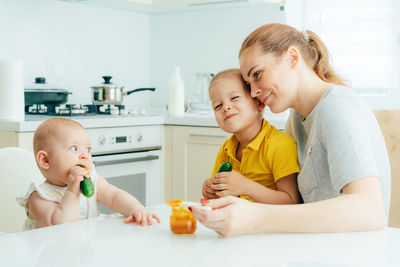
(359, 209)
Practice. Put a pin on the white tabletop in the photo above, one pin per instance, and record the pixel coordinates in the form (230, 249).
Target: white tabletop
(107, 241)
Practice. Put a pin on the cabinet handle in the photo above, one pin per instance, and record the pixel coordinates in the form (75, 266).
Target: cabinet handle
(208, 135)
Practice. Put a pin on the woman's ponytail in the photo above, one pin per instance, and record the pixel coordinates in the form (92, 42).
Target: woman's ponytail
(318, 57)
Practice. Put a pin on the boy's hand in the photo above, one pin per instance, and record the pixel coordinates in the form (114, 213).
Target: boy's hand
(229, 184)
(142, 217)
(207, 191)
(76, 175)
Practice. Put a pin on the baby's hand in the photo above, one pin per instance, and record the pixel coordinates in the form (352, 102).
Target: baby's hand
(76, 175)
(142, 217)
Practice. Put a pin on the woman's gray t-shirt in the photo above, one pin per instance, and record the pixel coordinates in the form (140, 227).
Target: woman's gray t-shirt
(339, 142)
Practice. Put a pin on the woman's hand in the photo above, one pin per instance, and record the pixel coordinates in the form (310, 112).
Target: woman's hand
(76, 175)
(142, 217)
(230, 216)
(207, 191)
(230, 184)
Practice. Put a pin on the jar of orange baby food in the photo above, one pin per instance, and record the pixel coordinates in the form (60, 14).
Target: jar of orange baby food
(181, 220)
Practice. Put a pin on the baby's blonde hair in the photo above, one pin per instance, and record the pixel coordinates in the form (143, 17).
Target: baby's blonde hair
(226, 74)
(49, 128)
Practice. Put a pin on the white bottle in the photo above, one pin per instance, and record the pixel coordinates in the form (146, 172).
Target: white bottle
(176, 94)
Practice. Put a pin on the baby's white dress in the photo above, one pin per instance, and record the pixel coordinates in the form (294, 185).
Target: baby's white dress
(88, 206)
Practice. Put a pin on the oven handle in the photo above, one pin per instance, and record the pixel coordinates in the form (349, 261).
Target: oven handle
(119, 161)
(208, 135)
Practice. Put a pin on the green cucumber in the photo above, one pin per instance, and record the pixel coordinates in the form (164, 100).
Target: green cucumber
(87, 187)
(225, 167)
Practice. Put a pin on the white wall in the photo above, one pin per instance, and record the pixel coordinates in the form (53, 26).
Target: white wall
(201, 41)
(73, 45)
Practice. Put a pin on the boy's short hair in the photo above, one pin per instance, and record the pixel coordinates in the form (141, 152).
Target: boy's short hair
(234, 72)
(48, 128)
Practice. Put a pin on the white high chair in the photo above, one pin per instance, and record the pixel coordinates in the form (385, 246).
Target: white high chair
(17, 170)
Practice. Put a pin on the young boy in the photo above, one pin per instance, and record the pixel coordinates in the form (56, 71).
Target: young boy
(62, 150)
(264, 160)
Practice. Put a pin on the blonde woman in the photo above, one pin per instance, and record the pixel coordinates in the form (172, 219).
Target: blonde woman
(341, 150)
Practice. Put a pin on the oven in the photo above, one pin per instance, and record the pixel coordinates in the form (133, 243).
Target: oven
(130, 158)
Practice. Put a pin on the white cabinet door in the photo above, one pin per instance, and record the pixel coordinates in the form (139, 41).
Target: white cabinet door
(189, 159)
(24, 140)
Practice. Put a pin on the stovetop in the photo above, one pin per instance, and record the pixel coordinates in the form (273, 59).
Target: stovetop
(79, 110)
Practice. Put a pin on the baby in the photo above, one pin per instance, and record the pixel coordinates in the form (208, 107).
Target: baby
(264, 160)
(62, 150)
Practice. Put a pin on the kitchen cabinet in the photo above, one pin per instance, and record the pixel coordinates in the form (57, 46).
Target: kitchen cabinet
(189, 155)
(23, 140)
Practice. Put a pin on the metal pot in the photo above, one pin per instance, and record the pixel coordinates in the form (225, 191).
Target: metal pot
(42, 95)
(110, 94)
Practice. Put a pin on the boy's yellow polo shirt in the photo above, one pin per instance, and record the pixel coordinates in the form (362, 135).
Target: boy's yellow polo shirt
(269, 157)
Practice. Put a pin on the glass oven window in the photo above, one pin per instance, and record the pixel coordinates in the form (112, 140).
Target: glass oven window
(134, 184)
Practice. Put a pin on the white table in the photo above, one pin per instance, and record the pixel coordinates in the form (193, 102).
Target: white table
(107, 241)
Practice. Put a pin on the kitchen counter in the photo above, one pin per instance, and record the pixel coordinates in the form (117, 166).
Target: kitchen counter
(107, 241)
(99, 121)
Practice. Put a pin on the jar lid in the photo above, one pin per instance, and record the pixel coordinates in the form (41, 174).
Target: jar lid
(174, 202)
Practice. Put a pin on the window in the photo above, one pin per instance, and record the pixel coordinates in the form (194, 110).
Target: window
(361, 35)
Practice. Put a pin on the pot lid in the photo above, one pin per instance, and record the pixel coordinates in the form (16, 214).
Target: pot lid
(34, 90)
(107, 83)
(40, 85)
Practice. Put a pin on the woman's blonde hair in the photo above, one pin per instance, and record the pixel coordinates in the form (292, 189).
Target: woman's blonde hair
(276, 38)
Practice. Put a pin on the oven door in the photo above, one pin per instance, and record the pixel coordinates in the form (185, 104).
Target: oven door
(138, 173)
